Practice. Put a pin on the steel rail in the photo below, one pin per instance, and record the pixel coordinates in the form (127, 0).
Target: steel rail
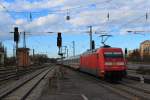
(6, 93)
(119, 88)
(34, 86)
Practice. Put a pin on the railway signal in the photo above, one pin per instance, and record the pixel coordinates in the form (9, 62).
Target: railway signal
(59, 44)
(126, 51)
(16, 39)
(59, 40)
(16, 34)
(93, 44)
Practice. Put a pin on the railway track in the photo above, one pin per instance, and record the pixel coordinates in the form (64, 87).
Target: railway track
(137, 77)
(10, 73)
(132, 84)
(7, 73)
(128, 91)
(23, 90)
(132, 91)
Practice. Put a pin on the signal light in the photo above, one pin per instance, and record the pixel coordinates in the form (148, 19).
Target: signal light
(67, 17)
(59, 40)
(59, 35)
(93, 44)
(16, 34)
(126, 51)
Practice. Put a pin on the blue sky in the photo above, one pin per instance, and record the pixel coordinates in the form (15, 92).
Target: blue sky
(49, 15)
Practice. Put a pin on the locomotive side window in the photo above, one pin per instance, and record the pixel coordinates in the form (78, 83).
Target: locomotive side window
(113, 55)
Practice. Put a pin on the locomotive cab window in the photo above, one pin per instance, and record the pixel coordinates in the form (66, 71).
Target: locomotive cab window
(113, 55)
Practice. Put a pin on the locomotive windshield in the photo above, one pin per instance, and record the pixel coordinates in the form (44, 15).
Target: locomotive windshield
(113, 55)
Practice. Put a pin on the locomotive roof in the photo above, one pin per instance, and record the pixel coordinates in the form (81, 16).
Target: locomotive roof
(95, 50)
(89, 52)
(73, 57)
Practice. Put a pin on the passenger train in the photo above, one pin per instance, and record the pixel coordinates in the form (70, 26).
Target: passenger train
(105, 62)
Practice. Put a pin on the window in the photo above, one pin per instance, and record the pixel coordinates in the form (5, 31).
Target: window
(113, 55)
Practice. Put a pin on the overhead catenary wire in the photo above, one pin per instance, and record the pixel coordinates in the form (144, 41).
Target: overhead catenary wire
(55, 11)
(145, 15)
(109, 16)
(59, 11)
(7, 10)
(72, 8)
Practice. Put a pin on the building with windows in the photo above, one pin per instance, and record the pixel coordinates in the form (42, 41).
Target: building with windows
(145, 48)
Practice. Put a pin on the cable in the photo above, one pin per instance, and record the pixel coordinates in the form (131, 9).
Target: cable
(57, 11)
(6, 10)
(124, 12)
(132, 21)
(85, 5)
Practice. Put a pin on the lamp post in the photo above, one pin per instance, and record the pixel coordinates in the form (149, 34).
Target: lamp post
(66, 51)
(73, 43)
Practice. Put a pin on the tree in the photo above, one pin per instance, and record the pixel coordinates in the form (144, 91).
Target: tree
(135, 56)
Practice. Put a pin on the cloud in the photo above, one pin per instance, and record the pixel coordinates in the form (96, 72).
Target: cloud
(6, 23)
(124, 15)
(82, 14)
(36, 5)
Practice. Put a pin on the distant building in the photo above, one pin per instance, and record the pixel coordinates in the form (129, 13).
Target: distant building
(145, 48)
(23, 57)
(130, 53)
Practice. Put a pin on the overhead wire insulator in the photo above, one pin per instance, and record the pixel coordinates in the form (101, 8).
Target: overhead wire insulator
(30, 16)
(68, 16)
(108, 16)
(146, 16)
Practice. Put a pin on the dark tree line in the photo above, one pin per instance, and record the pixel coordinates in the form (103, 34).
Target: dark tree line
(136, 57)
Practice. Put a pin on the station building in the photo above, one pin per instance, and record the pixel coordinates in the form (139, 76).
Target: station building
(23, 57)
(145, 48)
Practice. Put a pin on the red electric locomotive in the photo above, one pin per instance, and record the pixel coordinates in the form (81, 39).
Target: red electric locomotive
(105, 62)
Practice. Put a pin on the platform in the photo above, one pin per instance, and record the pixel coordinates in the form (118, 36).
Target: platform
(76, 86)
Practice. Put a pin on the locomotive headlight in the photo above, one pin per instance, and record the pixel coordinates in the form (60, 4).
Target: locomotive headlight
(114, 63)
(120, 63)
(108, 63)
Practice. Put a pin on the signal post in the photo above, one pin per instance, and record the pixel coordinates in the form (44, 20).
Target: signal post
(16, 40)
(59, 44)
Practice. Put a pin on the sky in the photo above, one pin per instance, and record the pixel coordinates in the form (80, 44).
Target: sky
(37, 17)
